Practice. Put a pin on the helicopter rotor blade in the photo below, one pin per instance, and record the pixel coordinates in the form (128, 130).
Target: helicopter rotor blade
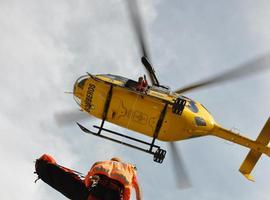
(135, 17)
(183, 180)
(137, 24)
(65, 118)
(258, 65)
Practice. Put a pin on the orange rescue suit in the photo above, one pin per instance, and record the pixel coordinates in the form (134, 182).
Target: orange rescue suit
(142, 85)
(123, 172)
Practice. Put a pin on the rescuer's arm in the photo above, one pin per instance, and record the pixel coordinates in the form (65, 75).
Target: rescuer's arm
(145, 83)
(137, 188)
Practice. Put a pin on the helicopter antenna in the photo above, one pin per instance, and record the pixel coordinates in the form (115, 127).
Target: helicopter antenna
(68, 92)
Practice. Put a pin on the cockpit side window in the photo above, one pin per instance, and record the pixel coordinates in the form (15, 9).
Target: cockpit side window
(115, 77)
(192, 106)
(81, 83)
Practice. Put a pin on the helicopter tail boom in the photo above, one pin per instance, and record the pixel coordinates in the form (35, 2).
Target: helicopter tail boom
(257, 147)
(253, 155)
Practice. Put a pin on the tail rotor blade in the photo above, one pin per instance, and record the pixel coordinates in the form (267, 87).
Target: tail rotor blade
(66, 118)
(182, 178)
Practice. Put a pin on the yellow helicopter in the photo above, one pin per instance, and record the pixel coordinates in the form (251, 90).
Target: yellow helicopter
(158, 112)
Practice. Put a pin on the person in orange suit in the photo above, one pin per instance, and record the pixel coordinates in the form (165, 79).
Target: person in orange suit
(106, 180)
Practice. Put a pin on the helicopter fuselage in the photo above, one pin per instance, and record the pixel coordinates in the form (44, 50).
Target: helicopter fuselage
(150, 112)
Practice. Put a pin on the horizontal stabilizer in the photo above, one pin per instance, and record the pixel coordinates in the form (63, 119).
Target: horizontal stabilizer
(253, 156)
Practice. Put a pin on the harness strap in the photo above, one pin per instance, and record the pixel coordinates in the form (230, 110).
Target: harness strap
(104, 187)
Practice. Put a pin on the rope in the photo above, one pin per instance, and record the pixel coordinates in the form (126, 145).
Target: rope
(132, 110)
(71, 170)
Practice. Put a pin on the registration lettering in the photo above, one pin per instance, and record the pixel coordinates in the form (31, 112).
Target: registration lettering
(89, 97)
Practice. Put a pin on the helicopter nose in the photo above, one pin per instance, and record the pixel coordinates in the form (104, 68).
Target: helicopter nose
(78, 87)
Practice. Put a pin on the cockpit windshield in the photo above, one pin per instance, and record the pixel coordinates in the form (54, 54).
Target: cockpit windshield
(78, 88)
(80, 81)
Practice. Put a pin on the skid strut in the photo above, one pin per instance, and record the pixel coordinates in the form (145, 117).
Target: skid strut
(158, 153)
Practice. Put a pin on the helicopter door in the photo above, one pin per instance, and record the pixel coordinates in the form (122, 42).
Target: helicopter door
(178, 106)
(131, 84)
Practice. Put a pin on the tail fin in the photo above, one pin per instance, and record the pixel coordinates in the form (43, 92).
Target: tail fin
(253, 156)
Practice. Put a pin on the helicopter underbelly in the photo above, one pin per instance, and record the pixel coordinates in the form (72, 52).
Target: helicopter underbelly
(141, 113)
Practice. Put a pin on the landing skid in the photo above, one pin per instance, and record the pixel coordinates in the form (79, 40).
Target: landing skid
(158, 153)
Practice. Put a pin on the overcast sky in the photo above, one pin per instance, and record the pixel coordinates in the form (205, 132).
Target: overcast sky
(46, 45)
